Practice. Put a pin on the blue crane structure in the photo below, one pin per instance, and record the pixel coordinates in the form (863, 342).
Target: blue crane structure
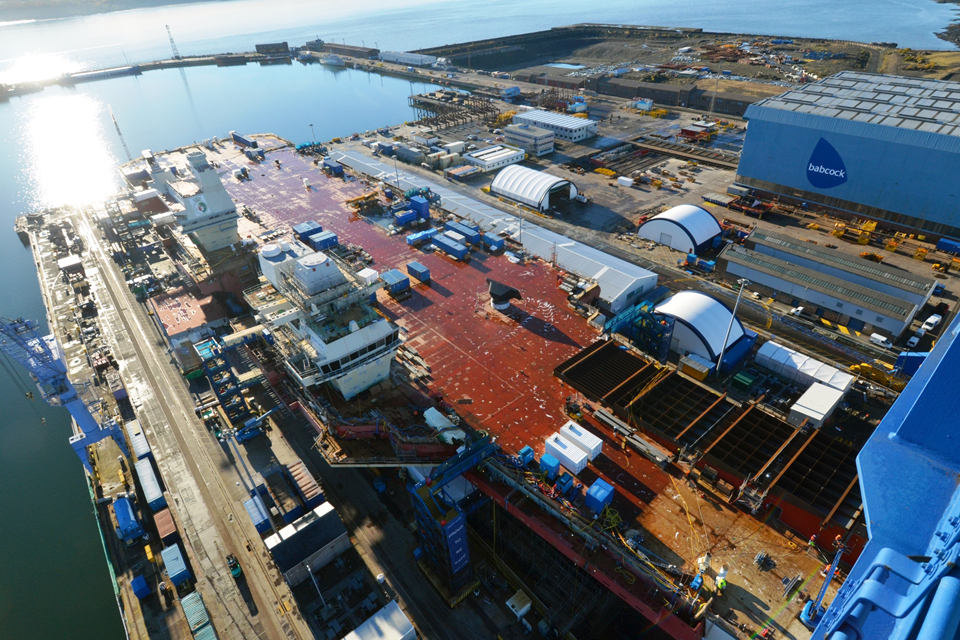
(812, 611)
(442, 523)
(252, 427)
(43, 358)
(906, 583)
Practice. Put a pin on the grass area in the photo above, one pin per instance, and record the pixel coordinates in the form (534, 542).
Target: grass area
(739, 86)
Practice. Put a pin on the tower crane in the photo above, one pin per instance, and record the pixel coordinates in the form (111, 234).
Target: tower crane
(43, 358)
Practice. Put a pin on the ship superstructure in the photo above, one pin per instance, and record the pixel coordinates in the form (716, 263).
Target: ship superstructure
(319, 310)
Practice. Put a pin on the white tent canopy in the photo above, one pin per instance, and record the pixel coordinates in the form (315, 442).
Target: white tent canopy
(684, 227)
(802, 369)
(704, 316)
(528, 186)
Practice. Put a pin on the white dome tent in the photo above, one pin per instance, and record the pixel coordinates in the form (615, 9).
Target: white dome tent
(686, 227)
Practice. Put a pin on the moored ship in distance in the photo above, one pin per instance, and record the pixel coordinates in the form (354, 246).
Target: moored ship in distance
(12, 90)
(332, 60)
(318, 309)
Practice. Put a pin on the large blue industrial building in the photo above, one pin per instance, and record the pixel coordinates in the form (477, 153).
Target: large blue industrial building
(877, 146)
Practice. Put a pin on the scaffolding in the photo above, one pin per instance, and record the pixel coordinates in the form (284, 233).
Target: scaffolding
(443, 109)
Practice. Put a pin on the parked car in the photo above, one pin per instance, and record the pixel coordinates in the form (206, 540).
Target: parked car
(915, 339)
(931, 322)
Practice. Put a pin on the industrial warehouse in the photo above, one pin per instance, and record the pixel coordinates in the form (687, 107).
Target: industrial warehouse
(854, 142)
(435, 380)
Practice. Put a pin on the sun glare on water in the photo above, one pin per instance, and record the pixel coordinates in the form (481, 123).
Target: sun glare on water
(34, 68)
(65, 151)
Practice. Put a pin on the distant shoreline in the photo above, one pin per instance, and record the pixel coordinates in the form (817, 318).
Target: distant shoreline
(16, 10)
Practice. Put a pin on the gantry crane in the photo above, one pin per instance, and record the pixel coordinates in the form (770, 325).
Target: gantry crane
(43, 358)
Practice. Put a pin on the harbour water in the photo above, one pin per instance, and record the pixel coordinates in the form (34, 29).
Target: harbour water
(59, 146)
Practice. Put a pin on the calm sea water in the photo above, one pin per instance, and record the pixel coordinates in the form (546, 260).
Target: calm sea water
(60, 146)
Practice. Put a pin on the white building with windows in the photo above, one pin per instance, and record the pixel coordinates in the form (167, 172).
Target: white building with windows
(564, 127)
(494, 157)
(534, 140)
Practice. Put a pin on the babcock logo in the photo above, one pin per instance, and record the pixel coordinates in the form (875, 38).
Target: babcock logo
(826, 169)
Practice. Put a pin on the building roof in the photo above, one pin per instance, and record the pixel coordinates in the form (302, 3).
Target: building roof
(879, 272)
(796, 366)
(555, 119)
(907, 103)
(699, 223)
(835, 287)
(531, 129)
(179, 312)
(389, 623)
(526, 185)
(704, 315)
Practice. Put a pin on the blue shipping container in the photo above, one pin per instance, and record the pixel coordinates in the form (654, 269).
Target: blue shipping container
(322, 240)
(195, 611)
(257, 513)
(473, 237)
(138, 440)
(451, 248)
(128, 527)
(305, 229)
(950, 246)
(526, 455)
(421, 206)
(175, 565)
(403, 218)
(492, 243)
(150, 485)
(418, 271)
(420, 236)
(335, 167)
(599, 495)
(395, 280)
(244, 140)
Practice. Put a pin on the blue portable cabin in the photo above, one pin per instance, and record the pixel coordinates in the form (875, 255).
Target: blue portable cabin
(138, 440)
(303, 230)
(246, 141)
(403, 218)
(322, 240)
(258, 514)
(948, 245)
(421, 206)
(418, 271)
(421, 236)
(526, 455)
(140, 587)
(599, 495)
(451, 248)
(492, 243)
(472, 236)
(175, 565)
(150, 485)
(129, 528)
(396, 282)
(549, 465)
(333, 166)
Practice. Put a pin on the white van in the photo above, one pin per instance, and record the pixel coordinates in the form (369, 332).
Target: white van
(878, 339)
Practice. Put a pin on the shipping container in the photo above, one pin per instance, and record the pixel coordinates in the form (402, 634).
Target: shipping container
(472, 236)
(246, 141)
(582, 439)
(950, 246)
(138, 440)
(450, 247)
(599, 496)
(456, 237)
(166, 527)
(306, 485)
(322, 240)
(623, 181)
(195, 611)
(396, 281)
(283, 496)
(303, 230)
(150, 485)
(115, 384)
(570, 456)
(418, 271)
(258, 514)
(421, 236)
(129, 528)
(492, 243)
(404, 218)
(332, 166)
(175, 565)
